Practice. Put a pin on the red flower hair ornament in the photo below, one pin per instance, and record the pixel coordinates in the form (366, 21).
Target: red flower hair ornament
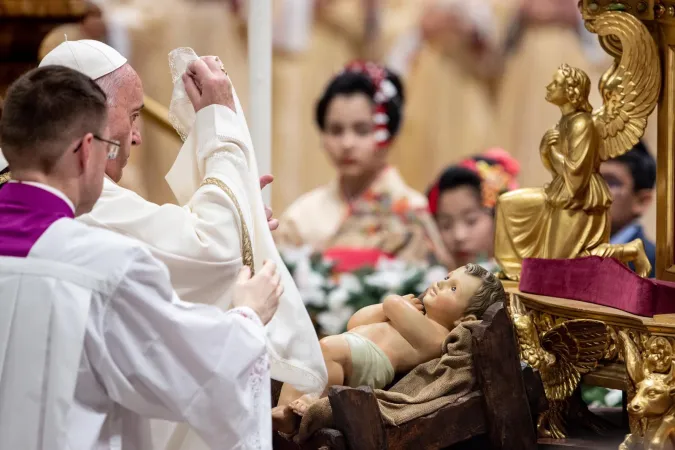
(497, 170)
(385, 91)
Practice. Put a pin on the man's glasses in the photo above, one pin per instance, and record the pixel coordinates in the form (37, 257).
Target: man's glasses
(112, 150)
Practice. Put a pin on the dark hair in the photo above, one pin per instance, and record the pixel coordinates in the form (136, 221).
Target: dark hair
(641, 165)
(455, 177)
(490, 291)
(351, 83)
(44, 111)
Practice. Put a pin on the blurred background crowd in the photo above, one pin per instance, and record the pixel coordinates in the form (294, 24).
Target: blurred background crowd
(474, 76)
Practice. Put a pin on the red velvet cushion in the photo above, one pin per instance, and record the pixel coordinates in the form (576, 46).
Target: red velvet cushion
(350, 259)
(603, 281)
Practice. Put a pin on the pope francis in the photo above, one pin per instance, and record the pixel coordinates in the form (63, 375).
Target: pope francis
(93, 340)
(222, 223)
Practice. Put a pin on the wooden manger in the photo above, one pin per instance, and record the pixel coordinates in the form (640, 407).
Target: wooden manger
(498, 414)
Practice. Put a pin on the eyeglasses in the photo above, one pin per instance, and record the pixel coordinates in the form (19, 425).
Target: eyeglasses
(112, 150)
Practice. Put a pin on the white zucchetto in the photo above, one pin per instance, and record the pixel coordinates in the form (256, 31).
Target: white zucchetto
(92, 58)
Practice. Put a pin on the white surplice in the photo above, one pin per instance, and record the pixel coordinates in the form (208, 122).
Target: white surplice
(94, 342)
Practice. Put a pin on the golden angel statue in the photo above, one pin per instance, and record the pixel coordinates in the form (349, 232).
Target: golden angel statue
(569, 217)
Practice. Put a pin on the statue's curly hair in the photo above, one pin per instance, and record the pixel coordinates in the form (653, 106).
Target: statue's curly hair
(577, 87)
(490, 291)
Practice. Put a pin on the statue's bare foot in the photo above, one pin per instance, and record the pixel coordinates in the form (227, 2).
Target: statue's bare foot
(285, 420)
(642, 265)
(301, 405)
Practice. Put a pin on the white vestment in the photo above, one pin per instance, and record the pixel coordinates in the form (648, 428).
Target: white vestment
(201, 242)
(93, 342)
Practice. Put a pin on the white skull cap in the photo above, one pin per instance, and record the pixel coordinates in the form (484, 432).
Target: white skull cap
(92, 58)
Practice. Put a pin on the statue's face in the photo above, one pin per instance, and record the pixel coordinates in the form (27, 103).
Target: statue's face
(447, 300)
(654, 397)
(555, 91)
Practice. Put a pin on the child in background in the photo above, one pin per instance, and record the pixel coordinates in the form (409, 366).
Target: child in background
(631, 178)
(462, 202)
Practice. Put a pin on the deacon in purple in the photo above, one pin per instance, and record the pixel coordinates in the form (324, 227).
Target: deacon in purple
(93, 340)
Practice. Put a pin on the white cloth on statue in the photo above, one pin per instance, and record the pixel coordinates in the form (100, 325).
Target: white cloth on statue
(295, 353)
(112, 346)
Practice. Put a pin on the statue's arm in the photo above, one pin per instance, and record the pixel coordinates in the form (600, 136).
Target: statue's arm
(548, 142)
(366, 316)
(415, 327)
(582, 145)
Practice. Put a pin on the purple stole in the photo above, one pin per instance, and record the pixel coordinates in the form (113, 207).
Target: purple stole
(25, 214)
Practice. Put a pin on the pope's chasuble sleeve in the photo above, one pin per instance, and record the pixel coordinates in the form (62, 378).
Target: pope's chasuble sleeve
(207, 159)
(199, 242)
(160, 357)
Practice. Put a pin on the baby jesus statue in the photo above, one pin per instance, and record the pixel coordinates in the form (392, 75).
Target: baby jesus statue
(394, 337)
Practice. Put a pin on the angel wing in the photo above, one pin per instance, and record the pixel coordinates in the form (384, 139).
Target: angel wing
(577, 345)
(528, 338)
(630, 88)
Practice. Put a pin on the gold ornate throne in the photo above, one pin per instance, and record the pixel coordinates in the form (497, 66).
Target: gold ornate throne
(571, 341)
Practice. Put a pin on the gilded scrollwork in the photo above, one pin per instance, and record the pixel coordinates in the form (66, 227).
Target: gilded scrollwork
(614, 348)
(562, 351)
(565, 348)
(652, 372)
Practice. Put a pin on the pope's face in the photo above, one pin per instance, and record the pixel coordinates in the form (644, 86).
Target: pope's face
(555, 91)
(124, 109)
(447, 301)
(349, 136)
(92, 185)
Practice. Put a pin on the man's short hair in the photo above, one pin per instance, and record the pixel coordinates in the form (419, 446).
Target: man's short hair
(641, 165)
(44, 111)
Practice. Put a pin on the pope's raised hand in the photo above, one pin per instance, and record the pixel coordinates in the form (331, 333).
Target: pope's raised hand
(206, 83)
(260, 293)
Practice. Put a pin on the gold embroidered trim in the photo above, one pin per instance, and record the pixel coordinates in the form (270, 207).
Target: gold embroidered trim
(246, 246)
(5, 177)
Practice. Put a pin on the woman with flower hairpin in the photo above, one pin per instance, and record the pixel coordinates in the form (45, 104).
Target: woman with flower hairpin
(463, 200)
(368, 212)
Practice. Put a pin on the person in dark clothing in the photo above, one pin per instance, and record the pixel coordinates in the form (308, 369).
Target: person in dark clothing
(631, 179)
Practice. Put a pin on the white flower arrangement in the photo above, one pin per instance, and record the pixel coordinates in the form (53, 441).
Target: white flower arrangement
(332, 298)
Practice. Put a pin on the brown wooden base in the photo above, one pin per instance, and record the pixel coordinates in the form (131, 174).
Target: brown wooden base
(580, 444)
(611, 440)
